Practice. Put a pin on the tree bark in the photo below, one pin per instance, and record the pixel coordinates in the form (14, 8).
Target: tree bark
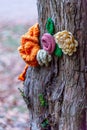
(64, 82)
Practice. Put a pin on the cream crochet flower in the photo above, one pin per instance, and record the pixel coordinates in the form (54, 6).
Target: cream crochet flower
(43, 57)
(66, 42)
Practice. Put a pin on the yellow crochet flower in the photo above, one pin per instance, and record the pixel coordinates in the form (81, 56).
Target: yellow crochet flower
(66, 42)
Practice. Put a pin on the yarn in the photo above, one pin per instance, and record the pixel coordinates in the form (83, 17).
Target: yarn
(43, 57)
(66, 42)
(48, 43)
(50, 26)
(58, 51)
(45, 123)
(42, 100)
(22, 75)
(30, 45)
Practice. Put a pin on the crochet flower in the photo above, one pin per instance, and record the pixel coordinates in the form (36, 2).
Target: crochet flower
(48, 43)
(66, 42)
(30, 45)
(43, 57)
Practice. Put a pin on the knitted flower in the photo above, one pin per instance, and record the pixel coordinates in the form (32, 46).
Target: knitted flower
(43, 57)
(48, 43)
(30, 45)
(66, 42)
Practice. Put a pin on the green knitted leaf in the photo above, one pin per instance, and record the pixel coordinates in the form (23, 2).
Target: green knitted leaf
(42, 103)
(42, 100)
(41, 97)
(58, 51)
(45, 123)
(50, 26)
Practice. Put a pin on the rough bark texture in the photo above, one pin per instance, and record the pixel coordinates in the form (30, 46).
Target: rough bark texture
(63, 83)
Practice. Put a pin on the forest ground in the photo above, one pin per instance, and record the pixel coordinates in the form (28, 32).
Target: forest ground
(13, 111)
(15, 19)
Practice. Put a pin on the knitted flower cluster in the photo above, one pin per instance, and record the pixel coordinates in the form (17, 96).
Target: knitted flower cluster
(48, 45)
(57, 44)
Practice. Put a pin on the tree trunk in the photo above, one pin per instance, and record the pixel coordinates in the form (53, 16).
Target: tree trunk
(63, 83)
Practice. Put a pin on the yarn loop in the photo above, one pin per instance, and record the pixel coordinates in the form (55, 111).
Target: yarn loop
(22, 75)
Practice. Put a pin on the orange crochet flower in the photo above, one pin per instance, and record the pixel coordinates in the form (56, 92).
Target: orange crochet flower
(22, 75)
(30, 45)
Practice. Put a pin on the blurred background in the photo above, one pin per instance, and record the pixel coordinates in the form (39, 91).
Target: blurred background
(16, 16)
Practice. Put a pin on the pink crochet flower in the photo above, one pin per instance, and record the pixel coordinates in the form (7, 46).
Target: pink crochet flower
(48, 43)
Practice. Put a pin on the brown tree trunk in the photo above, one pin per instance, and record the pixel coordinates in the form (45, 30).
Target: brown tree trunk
(63, 83)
